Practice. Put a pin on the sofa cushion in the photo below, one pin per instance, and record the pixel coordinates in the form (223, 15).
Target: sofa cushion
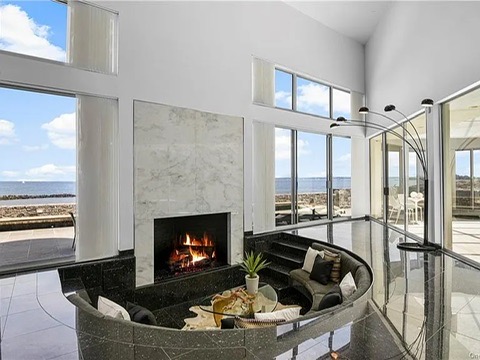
(310, 259)
(349, 264)
(313, 287)
(140, 314)
(243, 323)
(287, 314)
(335, 257)
(348, 286)
(332, 298)
(321, 270)
(110, 308)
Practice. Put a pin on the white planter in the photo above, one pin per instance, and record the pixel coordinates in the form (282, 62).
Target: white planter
(252, 284)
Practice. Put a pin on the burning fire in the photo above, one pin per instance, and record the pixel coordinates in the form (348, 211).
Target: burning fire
(190, 250)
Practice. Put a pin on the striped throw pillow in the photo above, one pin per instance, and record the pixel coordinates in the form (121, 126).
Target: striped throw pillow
(243, 323)
(335, 273)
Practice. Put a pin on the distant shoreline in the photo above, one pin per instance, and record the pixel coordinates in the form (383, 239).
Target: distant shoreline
(21, 197)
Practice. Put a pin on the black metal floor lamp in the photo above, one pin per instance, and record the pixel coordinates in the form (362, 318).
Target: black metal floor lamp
(416, 144)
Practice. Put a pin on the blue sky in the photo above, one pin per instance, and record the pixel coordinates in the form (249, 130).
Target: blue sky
(37, 131)
(312, 98)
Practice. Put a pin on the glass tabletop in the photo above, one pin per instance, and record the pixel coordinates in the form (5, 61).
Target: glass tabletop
(238, 302)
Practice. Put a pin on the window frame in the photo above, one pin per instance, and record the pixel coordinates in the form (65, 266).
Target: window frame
(294, 179)
(295, 77)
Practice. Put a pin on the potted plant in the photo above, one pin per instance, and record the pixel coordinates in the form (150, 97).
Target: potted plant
(252, 264)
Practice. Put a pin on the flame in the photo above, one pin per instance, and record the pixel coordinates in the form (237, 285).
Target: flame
(193, 249)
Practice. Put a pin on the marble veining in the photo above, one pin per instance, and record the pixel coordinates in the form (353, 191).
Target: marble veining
(186, 162)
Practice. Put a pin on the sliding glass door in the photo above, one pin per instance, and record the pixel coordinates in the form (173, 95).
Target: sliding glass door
(304, 189)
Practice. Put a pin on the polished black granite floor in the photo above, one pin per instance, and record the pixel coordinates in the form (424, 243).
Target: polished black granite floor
(421, 306)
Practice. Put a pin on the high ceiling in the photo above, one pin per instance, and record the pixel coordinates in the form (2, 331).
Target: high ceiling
(355, 19)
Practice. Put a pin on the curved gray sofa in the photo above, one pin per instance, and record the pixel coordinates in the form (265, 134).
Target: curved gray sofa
(300, 279)
(106, 338)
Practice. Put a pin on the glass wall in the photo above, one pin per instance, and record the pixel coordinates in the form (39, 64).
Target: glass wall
(461, 147)
(395, 179)
(376, 177)
(404, 175)
(415, 133)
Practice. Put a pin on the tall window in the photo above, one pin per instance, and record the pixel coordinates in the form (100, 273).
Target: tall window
(341, 175)
(37, 176)
(283, 177)
(461, 146)
(311, 177)
(301, 173)
(297, 93)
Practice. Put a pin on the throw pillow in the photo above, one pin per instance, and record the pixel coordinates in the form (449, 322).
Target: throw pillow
(254, 323)
(310, 259)
(347, 285)
(109, 308)
(332, 298)
(287, 314)
(335, 274)
(140, 314)
(321, 270)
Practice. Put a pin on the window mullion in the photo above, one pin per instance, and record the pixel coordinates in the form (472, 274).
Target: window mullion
(329, 156)
(294, 92)
(294, 180)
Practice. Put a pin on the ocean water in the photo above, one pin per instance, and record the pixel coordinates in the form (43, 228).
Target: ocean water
(37, 188)
(311, 185)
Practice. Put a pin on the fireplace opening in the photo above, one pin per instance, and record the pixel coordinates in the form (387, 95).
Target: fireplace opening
(190, 244)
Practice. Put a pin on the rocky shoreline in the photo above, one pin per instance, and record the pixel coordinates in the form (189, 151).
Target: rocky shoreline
(21, 211)
(17, 197)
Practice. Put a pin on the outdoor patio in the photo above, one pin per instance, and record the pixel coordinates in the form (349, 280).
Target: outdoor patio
(37, 247)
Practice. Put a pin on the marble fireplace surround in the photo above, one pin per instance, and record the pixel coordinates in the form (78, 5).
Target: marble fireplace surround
(186, 162)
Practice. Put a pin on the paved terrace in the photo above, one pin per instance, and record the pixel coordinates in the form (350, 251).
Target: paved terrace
(35, 247)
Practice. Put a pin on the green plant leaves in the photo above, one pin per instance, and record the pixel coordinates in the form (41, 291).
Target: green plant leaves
(252, 263)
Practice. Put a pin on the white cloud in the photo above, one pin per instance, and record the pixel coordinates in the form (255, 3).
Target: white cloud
(7, 132)
(313, 98)
(10, 174)
(283, 99)
(283, 146)
(61, 131)
(32, 148)
(341, 102)
(50, 171)
(21, 34)
(345, 158)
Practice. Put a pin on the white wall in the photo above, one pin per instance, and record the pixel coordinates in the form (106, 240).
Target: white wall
(422, 50)
(198, 55)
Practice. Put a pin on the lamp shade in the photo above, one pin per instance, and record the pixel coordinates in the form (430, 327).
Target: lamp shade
(341, 118)
(334, 125)
(363, 110)
(390, 107)
(427, 102)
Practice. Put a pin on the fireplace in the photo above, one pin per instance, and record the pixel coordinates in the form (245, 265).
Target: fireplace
(189, 244)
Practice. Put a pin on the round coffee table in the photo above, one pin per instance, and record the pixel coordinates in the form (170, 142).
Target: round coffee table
(237, 302)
